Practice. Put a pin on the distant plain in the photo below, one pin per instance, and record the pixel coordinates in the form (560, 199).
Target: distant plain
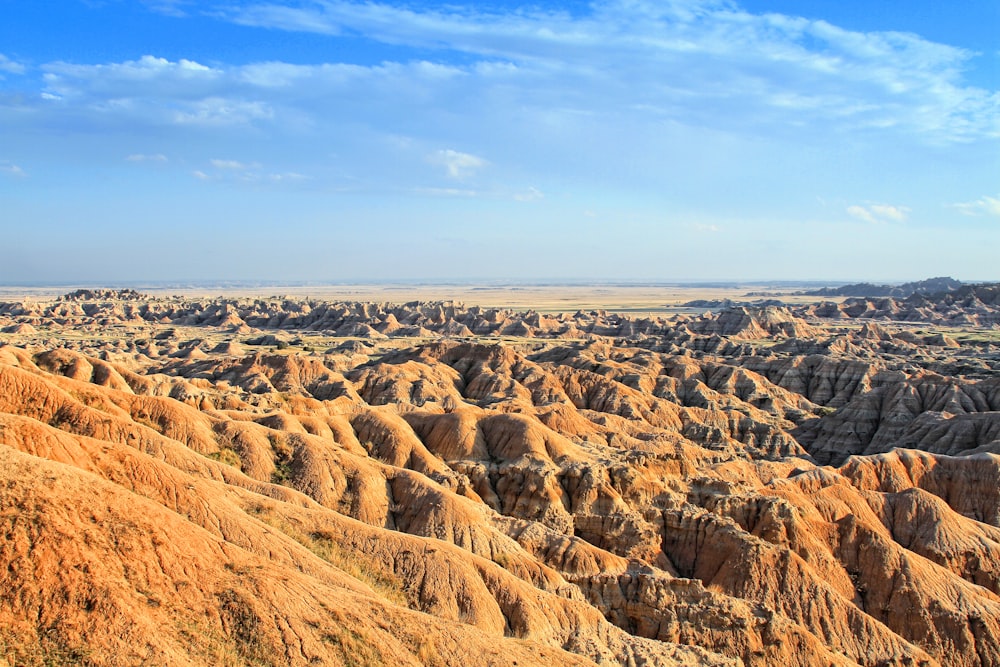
(547, 298)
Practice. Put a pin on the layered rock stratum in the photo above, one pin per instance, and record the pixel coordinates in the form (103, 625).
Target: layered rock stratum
(294, 482)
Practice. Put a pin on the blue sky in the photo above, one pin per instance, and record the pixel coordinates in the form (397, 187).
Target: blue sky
(612, 140)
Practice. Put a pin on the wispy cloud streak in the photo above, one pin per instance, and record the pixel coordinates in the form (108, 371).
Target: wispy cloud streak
(879, 213)
(986, 205)
(10, 169)
(675, 57)
(10, 66)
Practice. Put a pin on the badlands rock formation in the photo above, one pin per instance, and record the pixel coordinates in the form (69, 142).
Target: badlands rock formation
(970, 305)
(292, 482)
(928, 286)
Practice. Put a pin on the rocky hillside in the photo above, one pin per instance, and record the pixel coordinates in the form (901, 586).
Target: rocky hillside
(281, 482)
(970, 305)
(928, 286)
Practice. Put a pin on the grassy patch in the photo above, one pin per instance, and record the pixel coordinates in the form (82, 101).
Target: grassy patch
(243, 626)
(282, 473)
(49, 650)
(715, 588)
(763, 343)
(354, 650)
(427, 653)
(321, 543)
(503, 560)
(211, 647)
(977, 337)
(227, 456)
(284, 452)
(146, 420)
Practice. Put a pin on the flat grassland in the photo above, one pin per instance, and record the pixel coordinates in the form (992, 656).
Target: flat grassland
(546, 298)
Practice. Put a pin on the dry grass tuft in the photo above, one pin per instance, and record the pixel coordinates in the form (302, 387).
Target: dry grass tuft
(321, 543)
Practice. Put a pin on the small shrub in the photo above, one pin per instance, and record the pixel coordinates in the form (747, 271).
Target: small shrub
(282, 473)
(227, 456)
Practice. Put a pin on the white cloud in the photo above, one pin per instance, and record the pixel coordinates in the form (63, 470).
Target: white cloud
(701, 63)
(985, 205)
(220, 111)
(457, 165)
(138, 75)
(623, 95)
(141, 157)
(886, 212)
(682, 55)
(283, 18)
(531, 194)
(10, 169)
(705, 228)
(10, 66)
(287, 177)
(275, 74)
(156, 91)
(152, 90)
(878, 213)
(234, 165)
(861, 213)
(168, 7)
(235, 171)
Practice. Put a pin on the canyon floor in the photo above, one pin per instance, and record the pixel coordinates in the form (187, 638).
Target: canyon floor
(608, 475)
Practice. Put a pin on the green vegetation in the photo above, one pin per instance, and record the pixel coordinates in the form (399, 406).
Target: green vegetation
(227, 456)
(282, 473)
(762, 342)
(977, 337)
(283, 454)
(503, 560)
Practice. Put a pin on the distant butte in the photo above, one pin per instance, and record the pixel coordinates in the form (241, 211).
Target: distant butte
(296, 481)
